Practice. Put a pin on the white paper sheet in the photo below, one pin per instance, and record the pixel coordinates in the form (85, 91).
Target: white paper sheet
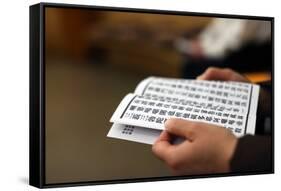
(229, 104)
(133, 133)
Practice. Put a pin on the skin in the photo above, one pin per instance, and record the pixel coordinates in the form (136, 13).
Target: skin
(206, 148)
(225, 74)
(196, 50)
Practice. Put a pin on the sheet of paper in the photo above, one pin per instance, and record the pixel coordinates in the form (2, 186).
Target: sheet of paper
(232, 105)
(133, 133)
(137, 134)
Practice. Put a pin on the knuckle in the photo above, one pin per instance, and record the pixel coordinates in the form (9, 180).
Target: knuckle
(170, 123)
(173, 123)
(211, 70)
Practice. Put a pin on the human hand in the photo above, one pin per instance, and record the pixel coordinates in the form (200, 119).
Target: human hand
(196, 49)
(222, 74)
(206, 149)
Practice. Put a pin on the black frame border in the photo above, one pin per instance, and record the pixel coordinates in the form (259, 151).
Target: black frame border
(37, 93)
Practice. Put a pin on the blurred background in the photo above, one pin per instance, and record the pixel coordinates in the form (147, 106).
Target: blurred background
(94, 58)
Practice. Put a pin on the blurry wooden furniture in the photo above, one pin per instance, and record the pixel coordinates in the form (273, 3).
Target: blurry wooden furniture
(74, 33)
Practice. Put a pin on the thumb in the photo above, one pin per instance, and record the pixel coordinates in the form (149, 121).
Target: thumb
(181, 127)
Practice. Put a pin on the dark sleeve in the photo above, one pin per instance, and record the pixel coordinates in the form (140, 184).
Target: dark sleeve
(264, 110)
(252, 154)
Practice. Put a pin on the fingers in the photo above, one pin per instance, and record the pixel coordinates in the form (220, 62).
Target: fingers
(164, 136)
(225, 74)
(170, 154)
(189, 130)
(162, 147)
(213, 73)
(182, 128)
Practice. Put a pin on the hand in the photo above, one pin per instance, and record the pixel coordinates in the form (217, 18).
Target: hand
(225, 74)
(196, 50)
(207, 148)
